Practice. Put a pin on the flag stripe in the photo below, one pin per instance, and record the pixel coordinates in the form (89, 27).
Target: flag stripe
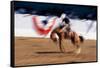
(40, 30)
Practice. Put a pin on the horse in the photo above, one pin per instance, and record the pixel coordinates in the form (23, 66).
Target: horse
(71, 35)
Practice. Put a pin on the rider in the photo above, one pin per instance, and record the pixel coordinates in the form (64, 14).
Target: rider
(65, 24)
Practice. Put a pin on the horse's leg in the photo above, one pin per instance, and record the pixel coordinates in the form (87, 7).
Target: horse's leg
(53, 37)
(79, 40)
(63, 40)
(78, 49)
(60, 44)
(75, 40)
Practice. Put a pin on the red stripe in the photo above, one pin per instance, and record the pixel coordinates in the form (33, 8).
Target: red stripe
(40, 30)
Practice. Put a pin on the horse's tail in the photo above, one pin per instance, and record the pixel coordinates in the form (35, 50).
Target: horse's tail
(81, 39)
(53, 36)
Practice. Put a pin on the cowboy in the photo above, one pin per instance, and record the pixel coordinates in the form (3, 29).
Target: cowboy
(65, 24)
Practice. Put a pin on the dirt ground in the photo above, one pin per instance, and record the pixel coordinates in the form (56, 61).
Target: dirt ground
(37, 51)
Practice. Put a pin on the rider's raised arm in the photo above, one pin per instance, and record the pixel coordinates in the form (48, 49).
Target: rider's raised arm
(63, 15)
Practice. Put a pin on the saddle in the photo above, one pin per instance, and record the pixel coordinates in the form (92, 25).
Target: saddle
(65, 34)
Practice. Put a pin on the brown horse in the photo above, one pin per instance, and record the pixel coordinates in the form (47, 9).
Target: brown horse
(73, 36)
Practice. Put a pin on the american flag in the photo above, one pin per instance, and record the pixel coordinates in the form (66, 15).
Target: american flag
(43, 25)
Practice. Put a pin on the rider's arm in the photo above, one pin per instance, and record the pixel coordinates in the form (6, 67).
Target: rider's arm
(64, 28)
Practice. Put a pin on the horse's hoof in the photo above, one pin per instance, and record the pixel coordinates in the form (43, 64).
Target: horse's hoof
(77, 51)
